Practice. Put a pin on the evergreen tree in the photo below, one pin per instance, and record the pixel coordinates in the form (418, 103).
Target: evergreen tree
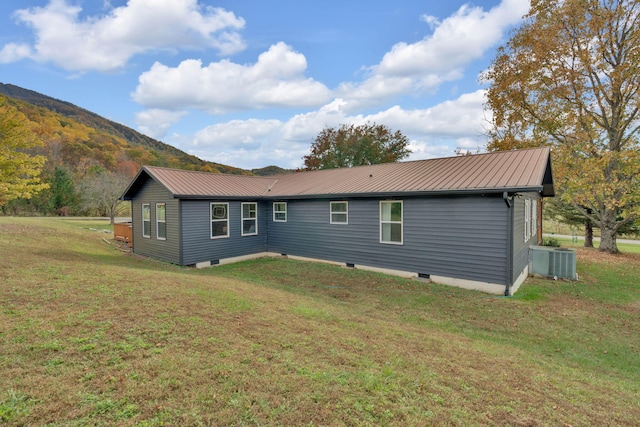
(63, 198)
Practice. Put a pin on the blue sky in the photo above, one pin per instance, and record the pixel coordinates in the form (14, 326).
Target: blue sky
(250, 83)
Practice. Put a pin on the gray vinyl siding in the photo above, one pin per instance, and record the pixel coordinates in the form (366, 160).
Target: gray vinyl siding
(462, 237)
(520, 247)
(169, 249)
(196, 232)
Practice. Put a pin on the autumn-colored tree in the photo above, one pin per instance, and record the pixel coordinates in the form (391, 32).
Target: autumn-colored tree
(19, 170)
(351, 145)
(568, 78)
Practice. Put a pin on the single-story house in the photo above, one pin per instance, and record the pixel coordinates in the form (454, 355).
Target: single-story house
(465, 221)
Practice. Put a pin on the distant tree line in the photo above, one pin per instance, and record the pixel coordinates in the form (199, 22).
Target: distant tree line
(65, 195)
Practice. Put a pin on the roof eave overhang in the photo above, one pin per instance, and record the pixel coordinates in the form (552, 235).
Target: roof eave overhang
(428, 193)
(131, 189)
(216, 197)
(129, 192)
(382, 194)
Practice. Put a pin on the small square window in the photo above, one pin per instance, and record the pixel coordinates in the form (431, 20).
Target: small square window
(339, 212)
(279, 212)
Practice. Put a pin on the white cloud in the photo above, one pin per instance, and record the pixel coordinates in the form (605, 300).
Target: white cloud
(237, 134)
(305, 127)
(14, 52)
(247, 143)
(106, 43)
(373, 91)
(456, 41)
(433, 132)
(426, 149)
(450, 119)
(156, 122)
(276, 80)
(432, 21)
(421, 67)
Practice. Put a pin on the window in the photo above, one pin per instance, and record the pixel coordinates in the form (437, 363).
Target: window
(249, 219)
(146, 220)
(219, 220)
(280, 212)
(391, 222)
(530, 219)
(527, 213)
(161, 223)
(534, 219)
(339, 212)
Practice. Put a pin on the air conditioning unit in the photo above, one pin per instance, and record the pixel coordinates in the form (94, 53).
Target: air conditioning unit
(553, 262)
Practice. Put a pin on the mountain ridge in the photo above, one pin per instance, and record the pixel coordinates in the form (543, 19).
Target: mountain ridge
(101, 130)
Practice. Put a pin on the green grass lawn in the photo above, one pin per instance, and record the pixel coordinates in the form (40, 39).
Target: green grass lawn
(92, 335)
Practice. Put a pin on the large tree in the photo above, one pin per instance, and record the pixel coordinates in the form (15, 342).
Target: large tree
(19, 170)
(558, 209)
(351, 145)
(569, 77)
(100, 193)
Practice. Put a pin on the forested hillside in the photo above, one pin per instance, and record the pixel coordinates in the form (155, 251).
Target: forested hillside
(271, 170)
(83, 150)
(78, 135)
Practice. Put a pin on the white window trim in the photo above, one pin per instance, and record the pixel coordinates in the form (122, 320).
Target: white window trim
(530, 219)
(143, 220)
(211, 220)
(527, 220)
(346, 213)
(285, 211)
(534, 219)
(401, 222)
(158, 221)
(243, 219)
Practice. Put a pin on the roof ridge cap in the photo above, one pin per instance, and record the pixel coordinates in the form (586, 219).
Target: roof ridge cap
(151, 167)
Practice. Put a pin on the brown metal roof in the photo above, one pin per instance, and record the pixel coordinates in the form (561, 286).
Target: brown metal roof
(190, 183)
(507, 170)
(521, 170)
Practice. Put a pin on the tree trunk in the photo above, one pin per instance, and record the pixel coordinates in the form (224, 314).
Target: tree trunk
(609, 233)
(588, 234)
